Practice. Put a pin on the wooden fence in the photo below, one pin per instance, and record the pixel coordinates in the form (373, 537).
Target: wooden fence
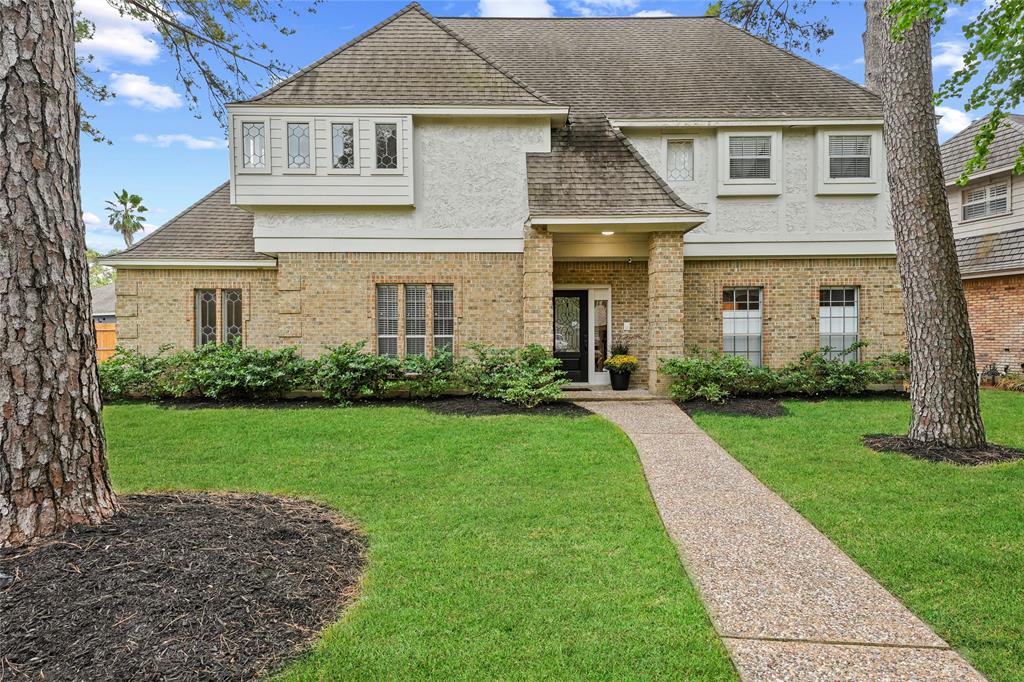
(106, 340)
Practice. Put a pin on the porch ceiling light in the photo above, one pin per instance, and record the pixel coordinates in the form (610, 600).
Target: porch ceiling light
(608, 233)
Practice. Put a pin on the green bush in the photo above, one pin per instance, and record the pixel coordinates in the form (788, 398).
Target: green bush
(430, 377)
(131, 374)
(520, 376)
(816, 374)
(233, 371)
(346, 373)
(715, 376)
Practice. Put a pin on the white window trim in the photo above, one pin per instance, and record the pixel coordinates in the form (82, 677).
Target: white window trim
(668, 140)
(285, 170)
(400, 132)
(828, 185)
(236, 143)
(330, 169)
(851, 357)
(770, 186)
(1008, 181)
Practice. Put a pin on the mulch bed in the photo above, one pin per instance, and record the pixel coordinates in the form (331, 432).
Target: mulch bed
(750, 407)
(178, 587)
(989, 454)
(483, 407)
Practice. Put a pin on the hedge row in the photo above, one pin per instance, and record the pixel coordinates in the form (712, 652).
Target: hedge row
(717, 377)
(346, 373)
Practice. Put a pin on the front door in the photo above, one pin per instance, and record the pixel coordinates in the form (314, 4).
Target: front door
(571, 333)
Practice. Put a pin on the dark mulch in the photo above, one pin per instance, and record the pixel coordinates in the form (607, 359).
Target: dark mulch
(178, 587)
(749, 407)
(483, 407)
(989, 454)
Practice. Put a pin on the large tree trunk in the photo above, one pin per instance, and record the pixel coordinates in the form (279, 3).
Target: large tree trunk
(943, 385)
(53, 469)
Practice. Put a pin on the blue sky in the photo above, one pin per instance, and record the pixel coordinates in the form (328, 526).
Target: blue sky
(162, 152)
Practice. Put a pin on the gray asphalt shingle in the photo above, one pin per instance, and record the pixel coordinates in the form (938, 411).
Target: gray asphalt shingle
(991, 252)
(1002, 152)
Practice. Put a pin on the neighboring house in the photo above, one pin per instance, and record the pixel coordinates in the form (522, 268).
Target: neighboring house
(988, 221)
(439, 182)
(104, 320)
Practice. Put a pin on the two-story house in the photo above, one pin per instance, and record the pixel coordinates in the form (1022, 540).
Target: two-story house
(988, 221)
(663, 182)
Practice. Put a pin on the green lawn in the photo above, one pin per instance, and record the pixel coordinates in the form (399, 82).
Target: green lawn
(948, 541)
(500, 547)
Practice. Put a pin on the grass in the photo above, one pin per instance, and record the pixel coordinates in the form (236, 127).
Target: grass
(948, 541)
(505, 547)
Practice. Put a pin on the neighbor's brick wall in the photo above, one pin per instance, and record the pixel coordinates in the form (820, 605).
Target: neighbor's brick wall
(996, 309)
(790, 313)
(628, 282)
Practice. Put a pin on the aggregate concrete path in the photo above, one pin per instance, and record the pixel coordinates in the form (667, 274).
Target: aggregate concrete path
(788, 604)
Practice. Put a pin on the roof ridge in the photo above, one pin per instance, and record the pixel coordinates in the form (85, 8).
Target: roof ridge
(605, 18)
(176, 217)
(621, 137)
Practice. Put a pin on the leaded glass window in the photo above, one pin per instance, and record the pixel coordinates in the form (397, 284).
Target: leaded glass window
(343, 145)
(837, 321)
(254, 138)
(849, 156)
(679, 166)
(231, 315)
(386, 135)
(750, 157)
(741, 323)
(567, 324)
(298, 145)
(444, 316)
(415, 319)
(206, 316)
(387, 320)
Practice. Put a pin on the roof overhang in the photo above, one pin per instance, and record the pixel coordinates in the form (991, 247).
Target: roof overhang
(988, 172)
(675, 122)
(184, 263)
(638, 223)
(558, 114)
(1008, 272)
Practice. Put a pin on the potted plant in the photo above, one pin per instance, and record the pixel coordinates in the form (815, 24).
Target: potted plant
(619, 367)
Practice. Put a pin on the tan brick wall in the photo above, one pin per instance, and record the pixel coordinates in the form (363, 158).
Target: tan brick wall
(791, 301)
(628, 282)
(667, 291)
(996, 309)
(537, 316)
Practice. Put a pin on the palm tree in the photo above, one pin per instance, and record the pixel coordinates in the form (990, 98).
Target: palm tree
(125, 214)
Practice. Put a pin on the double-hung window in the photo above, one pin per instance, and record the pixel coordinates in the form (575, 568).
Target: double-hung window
(444, 316)
(415, 319)
(421, 315)
(206, 325)
(387, 320)
(750, 157)
(986, 201)
(849, 157)
(741, 323)
(837, 321)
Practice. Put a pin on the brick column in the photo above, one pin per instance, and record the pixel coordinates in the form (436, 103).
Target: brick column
(537, 287)
(665, 303)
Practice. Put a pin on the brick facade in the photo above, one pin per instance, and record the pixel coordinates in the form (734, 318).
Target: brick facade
(538, 315)
(996, 309)
(667, 292)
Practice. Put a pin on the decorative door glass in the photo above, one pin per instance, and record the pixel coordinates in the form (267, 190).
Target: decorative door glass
(600, 334)
(567, 325)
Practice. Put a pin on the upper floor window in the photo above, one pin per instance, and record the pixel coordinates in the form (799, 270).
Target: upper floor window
(299, 156)
(254, 144)
(679, 160)
(837, 321)
(750, 157)
(386, 136)
(741, 323)
(987, 201)
(343, 146)
(849, 156)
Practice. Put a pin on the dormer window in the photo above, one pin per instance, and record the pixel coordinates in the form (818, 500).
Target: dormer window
(299, 157)
(254, 144)
(386, 136)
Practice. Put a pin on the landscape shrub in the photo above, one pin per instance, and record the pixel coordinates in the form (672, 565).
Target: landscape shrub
(233, 371)
(347, 373)
(715, 376)
(430, 377)
(814, 373)
(520, 376)
(129, 374)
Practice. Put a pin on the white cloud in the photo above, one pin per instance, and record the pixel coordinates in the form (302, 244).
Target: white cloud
(516, 8)
(139, 91)
(952, 121)
(116, 37)
(653, 13)
(188, 141)
(90, 218)
(948, 55)
(590, 8)
(858, 60)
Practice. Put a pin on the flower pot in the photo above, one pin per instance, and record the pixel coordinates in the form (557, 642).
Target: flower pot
(620, 380)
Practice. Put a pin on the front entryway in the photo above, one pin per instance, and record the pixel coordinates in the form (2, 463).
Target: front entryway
(571, 328)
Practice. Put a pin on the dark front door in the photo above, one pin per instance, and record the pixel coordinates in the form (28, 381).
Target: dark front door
(571, 333)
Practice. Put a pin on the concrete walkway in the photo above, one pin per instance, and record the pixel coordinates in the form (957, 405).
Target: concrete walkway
(788, 604)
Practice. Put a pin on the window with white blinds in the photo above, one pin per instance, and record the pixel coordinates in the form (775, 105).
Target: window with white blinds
(415, 319)
(444, 316)
(750, 157)
(415, 313)
(387, 320)
(983, 202)
(849, 156)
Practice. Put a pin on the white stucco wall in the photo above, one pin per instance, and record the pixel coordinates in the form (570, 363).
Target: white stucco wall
(470, 195)
(797, 219)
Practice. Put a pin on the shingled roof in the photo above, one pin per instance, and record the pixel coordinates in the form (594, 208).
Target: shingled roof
(993, 253)
(409, 58)
(592, 169)
(210, 229)
(1002, 152)
(685, 67)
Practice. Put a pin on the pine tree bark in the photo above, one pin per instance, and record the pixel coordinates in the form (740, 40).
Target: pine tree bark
(53, 470)
(943, 384)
